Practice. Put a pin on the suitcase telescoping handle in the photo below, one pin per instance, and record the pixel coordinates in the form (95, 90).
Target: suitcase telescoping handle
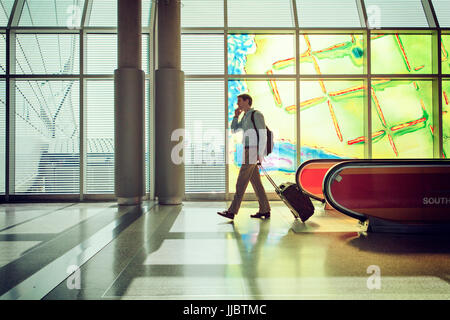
(268, 177)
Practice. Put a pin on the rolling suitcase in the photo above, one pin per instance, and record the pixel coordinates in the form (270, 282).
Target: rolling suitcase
(299, 203)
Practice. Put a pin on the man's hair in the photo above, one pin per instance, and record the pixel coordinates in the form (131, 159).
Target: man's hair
(246, 97)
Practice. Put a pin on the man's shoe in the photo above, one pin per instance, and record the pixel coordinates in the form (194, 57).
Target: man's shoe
(226, 214)
(265, 215)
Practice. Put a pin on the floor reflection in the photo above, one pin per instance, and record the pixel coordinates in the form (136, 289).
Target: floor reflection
(250, 247)
(189, 252)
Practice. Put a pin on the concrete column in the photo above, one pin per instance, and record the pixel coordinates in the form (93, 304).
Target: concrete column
(129, 85)
(169, 104)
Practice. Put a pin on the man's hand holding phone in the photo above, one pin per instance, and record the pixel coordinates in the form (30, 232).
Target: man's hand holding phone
(237, 112)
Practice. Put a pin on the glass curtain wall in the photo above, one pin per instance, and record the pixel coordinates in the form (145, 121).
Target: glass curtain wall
(57, 62)
(334, 79)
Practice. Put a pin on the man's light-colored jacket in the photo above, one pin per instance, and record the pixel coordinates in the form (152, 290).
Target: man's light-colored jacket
(250, 139)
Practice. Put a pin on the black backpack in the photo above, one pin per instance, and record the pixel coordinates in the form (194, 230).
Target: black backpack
(269, 147)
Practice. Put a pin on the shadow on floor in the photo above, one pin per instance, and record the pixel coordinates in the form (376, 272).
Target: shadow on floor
(402, 243)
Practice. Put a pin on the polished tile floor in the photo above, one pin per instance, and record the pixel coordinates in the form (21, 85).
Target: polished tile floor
(189, 252)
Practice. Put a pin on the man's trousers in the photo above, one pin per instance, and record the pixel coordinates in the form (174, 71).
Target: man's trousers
(249, 172)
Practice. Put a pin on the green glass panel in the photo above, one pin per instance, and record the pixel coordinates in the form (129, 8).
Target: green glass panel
(2, 135)
(51, 13)
(276, 100)
(328, 14)
(397, 14)
(2, 53)
(332, 119)
(261, 54)
(146, 13)
(99, 122)
(101, 53)
(202, 54)
(5, 11)
(204, 150)
(401, 54)
(148, 132)
(260, 13)
(442, 9)
(445, 49)
(46, 137)
(104, 13)
(195, 14)
(331, 54)
(47, 54)
(446, 117)
(402, 122)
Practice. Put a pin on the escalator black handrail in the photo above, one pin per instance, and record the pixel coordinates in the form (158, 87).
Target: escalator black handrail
(304, 164)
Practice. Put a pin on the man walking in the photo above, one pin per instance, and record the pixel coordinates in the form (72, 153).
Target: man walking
(253, 152)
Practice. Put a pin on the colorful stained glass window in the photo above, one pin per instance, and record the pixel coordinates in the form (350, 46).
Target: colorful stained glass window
(276, 100)
(446, 117)
(331, 54)
(402, 122)
(261, 54)
(445, 50)
(332, 119)
(401, 53)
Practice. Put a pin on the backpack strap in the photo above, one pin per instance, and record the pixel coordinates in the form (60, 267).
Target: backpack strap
(256, 129)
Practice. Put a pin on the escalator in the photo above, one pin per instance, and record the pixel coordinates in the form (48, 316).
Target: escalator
(401, 191)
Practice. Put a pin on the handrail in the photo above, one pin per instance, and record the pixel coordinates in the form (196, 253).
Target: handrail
(303, 166)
